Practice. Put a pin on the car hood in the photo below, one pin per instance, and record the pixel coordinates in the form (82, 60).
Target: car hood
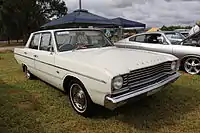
(115, 60)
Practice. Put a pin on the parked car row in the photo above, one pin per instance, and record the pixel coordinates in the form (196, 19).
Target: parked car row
(186, 49)
(184, 32)
(92, 70)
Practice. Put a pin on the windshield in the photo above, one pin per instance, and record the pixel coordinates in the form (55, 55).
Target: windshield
(80, 39)
(174, 37)
(185, 34)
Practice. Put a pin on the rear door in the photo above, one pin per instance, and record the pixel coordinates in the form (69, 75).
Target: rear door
(30, 51)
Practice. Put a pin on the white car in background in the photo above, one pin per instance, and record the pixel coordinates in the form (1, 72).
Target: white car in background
(186, 49)
(85, 64)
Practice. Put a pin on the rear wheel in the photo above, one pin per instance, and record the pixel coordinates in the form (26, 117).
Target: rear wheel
(192, 65)
(28, 74)
(79, 98)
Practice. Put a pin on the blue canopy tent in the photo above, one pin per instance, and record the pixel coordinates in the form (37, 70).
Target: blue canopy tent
(127, 23)
(79, 18)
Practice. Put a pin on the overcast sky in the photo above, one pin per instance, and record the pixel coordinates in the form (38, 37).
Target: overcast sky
(151, 12)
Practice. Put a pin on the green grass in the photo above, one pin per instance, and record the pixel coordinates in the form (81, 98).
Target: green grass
(35, 107)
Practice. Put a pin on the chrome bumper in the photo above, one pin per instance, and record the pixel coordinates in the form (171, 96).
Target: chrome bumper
(114, 102)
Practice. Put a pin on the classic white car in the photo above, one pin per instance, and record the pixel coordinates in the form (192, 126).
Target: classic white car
(187, 50)
(85, 64)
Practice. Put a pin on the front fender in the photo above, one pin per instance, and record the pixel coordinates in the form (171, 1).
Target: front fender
(97, 90)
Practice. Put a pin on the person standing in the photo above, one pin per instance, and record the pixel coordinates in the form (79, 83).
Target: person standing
(195, 29)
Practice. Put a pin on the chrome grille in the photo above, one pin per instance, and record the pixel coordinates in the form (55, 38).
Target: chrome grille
(146, 76)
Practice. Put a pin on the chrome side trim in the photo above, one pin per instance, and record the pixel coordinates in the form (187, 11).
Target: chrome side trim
(99, 80)
(124, 97)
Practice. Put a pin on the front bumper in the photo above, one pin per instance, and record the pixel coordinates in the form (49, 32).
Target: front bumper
(114, 102)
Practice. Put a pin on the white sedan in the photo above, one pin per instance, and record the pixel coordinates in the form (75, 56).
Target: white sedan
(85, 64)
(187, 50)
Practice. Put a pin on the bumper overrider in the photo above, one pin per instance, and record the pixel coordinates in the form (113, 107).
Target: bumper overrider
(114, 102)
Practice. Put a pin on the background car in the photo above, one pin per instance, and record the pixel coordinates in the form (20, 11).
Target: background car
(187, 50)
(184, 32)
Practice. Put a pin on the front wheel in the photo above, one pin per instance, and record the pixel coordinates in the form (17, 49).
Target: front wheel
(80, 100)
(192, 65)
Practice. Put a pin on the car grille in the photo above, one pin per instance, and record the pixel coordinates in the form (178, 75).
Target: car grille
(144, 77)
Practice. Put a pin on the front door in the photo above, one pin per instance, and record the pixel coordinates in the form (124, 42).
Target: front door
(45, 60)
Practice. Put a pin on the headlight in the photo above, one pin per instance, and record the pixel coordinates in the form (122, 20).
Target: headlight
(117, 83)
(173, 66)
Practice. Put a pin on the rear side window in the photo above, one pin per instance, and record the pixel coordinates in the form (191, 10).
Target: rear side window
(140, 38)
(35, 41)
(46, 42)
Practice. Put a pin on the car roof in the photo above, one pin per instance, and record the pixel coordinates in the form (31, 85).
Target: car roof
(181, 30)
(68, 29)
(167, 32)
(157, 32)
(147, 33)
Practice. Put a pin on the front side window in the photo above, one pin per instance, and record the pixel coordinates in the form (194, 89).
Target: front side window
(35, 41)
(154, 38)
(140, 38)
(46, 42)
(80, 39)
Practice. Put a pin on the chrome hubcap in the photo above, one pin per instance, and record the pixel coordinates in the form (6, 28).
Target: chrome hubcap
(28, 75)
(192, 65)
(78, 98)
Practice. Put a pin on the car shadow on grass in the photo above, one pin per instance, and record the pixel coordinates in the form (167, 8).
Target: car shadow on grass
(157, 111)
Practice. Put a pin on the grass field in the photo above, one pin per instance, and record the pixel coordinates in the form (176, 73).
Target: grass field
(35, 107)
(13, 43)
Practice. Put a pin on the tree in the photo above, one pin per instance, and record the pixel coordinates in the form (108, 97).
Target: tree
(172, 28)
(20, 17)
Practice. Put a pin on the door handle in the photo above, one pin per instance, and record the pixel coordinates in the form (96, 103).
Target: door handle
(25, 52)
(35, 56)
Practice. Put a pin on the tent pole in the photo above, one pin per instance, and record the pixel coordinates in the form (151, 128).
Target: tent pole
(80, 6)
(120, 32)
